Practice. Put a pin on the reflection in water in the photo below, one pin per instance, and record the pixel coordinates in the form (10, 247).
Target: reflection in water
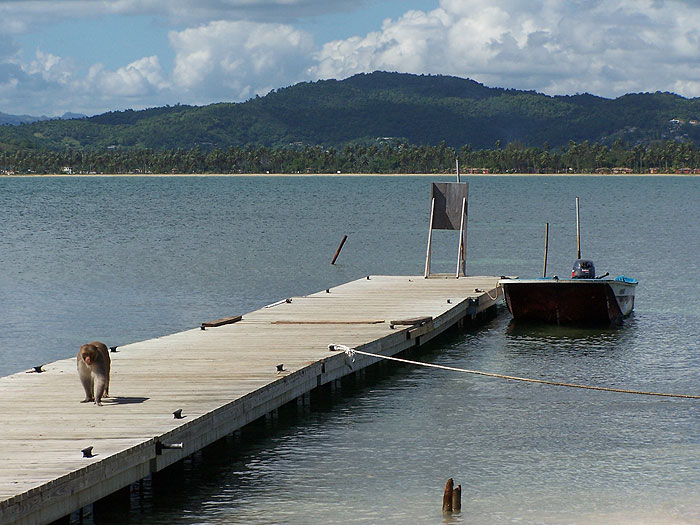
(543, 330)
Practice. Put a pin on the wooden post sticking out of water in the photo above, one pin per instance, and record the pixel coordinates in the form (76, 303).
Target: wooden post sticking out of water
(457, 498)
(337, 252)
(546, 248)
(448, 495)
(578, 233)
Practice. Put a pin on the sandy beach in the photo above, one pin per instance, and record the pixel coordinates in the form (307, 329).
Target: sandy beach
(135, 175)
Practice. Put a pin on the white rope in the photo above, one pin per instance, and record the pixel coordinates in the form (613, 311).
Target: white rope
(499, 285)
(352, 351)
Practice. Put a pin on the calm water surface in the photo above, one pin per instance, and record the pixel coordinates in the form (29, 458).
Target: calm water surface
(126, 259)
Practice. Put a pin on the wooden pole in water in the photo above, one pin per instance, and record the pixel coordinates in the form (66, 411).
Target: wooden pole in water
(578, 233)
(457, 164)
(447, 496)
(337, 252)
(546, 249)
(457, 498)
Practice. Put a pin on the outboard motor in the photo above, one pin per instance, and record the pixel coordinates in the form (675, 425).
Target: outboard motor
(583, 269)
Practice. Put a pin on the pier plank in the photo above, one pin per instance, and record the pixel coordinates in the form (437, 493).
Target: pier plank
(222, 378)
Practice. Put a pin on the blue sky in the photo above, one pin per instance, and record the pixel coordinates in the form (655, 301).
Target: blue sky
(92, 56)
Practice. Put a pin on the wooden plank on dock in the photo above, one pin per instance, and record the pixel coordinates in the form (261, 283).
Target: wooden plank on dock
(220, 379)
(413, 321)
(222, 321)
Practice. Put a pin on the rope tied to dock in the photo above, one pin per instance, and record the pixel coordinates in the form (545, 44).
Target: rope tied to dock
(351, 352)
(486, 292)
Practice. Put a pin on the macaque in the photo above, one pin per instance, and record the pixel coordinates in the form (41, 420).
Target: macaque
(93, 369)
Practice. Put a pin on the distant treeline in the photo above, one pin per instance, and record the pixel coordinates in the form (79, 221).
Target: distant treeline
(667, 157)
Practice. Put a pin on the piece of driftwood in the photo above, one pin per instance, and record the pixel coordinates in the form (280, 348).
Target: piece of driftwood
(222, 321)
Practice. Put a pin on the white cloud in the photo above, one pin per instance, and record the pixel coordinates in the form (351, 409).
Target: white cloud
(219, 61)
(50, 67)
(227, 59)
(139, 79)
(236, 60)
(554, 46)
(52, 81)
(8, 84)
(605, 47)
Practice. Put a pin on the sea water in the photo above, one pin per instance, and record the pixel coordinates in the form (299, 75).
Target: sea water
(123, 259)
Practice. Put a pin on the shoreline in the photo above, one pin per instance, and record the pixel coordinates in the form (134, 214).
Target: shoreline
(163, 175)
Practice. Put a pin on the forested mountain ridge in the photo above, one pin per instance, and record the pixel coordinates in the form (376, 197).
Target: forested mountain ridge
(365, 108)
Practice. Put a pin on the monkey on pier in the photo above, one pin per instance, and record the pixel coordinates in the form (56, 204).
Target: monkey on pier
(93, 369)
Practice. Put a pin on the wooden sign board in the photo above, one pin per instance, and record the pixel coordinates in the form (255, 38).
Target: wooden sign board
(449, 198)
(448, 211)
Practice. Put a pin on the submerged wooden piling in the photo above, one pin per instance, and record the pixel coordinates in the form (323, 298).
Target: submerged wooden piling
(452, 497)
(457, 498)
(447, 496)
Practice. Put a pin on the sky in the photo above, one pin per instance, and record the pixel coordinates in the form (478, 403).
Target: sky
(93, 56)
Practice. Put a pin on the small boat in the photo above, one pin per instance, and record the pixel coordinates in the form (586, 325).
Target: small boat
(570, 301)
(583, 299)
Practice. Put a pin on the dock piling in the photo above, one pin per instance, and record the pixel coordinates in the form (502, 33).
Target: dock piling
(457, 498)
(452, 497)
(447, 496)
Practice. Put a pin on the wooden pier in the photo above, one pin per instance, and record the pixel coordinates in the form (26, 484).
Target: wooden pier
(222, 375)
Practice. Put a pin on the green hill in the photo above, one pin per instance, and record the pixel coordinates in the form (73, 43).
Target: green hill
(392, 107)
